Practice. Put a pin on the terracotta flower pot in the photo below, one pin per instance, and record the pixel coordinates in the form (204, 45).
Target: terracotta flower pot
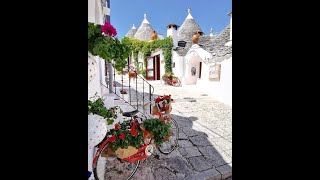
(168, 108)
(154, 35)
(195, 38)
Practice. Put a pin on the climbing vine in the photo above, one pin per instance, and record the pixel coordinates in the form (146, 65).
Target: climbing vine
(146, 48)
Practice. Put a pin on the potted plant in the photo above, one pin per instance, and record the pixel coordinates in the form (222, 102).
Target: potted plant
(125, 139)
(169, 79)
(162, 104)
(158, 128)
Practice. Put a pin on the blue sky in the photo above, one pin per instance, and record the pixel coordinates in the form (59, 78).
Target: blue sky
(207, 13)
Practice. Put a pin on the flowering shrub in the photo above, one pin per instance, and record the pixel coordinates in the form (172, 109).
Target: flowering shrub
(169, 79)
(108, 29)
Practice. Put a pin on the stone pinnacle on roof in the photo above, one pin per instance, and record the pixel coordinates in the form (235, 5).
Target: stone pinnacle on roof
(189, 14)
(145, 19)
(133, 27)
(211, 33)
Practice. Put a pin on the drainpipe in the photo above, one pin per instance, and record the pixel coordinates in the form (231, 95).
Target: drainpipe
(110, 73)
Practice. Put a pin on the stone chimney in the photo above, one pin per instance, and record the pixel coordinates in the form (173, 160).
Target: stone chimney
(172, 30)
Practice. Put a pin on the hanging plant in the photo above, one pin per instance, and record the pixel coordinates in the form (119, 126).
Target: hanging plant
(102, 42)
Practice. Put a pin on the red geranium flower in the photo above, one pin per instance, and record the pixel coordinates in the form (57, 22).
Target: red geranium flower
(116, 126)
(165, 97)
(158, 100)
(122, 136)
(108, 29)
(166, 138)
(145, 132)
(163, 121)
(134, 124)
(133, 132)
(112, 138)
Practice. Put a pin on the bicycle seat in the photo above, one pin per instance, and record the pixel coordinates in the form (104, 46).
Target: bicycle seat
(130, 114)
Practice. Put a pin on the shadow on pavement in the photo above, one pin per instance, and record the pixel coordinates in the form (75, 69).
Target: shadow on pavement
(197, 157)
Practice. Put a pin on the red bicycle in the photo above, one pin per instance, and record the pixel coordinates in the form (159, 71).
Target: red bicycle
(112, 167)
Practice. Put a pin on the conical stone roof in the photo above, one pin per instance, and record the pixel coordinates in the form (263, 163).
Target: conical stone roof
(131, 32)
(187, 29)
(144, 31)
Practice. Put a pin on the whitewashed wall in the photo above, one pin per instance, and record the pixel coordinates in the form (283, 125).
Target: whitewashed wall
(94, 86)
(95, 15)
(91, 13)
(179, 64)
(222, 90)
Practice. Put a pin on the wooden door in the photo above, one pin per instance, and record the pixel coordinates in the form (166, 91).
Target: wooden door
(157, 67)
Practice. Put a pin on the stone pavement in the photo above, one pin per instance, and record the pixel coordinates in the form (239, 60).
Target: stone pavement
(205, 138)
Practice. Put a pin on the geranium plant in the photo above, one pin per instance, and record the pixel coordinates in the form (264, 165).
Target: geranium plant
(162, 103)
(159, 128)
(102, 42)
(125, 134)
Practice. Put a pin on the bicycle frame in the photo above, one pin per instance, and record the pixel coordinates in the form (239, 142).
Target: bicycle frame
(136, 157)
(139, 156)
(99, 150)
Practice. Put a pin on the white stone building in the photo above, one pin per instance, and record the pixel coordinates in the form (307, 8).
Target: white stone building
(211, 58)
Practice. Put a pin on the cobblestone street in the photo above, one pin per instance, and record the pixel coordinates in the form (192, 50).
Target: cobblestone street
(205, 138)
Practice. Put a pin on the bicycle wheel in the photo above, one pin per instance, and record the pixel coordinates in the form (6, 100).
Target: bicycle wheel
(168, 146)
(111, 168)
